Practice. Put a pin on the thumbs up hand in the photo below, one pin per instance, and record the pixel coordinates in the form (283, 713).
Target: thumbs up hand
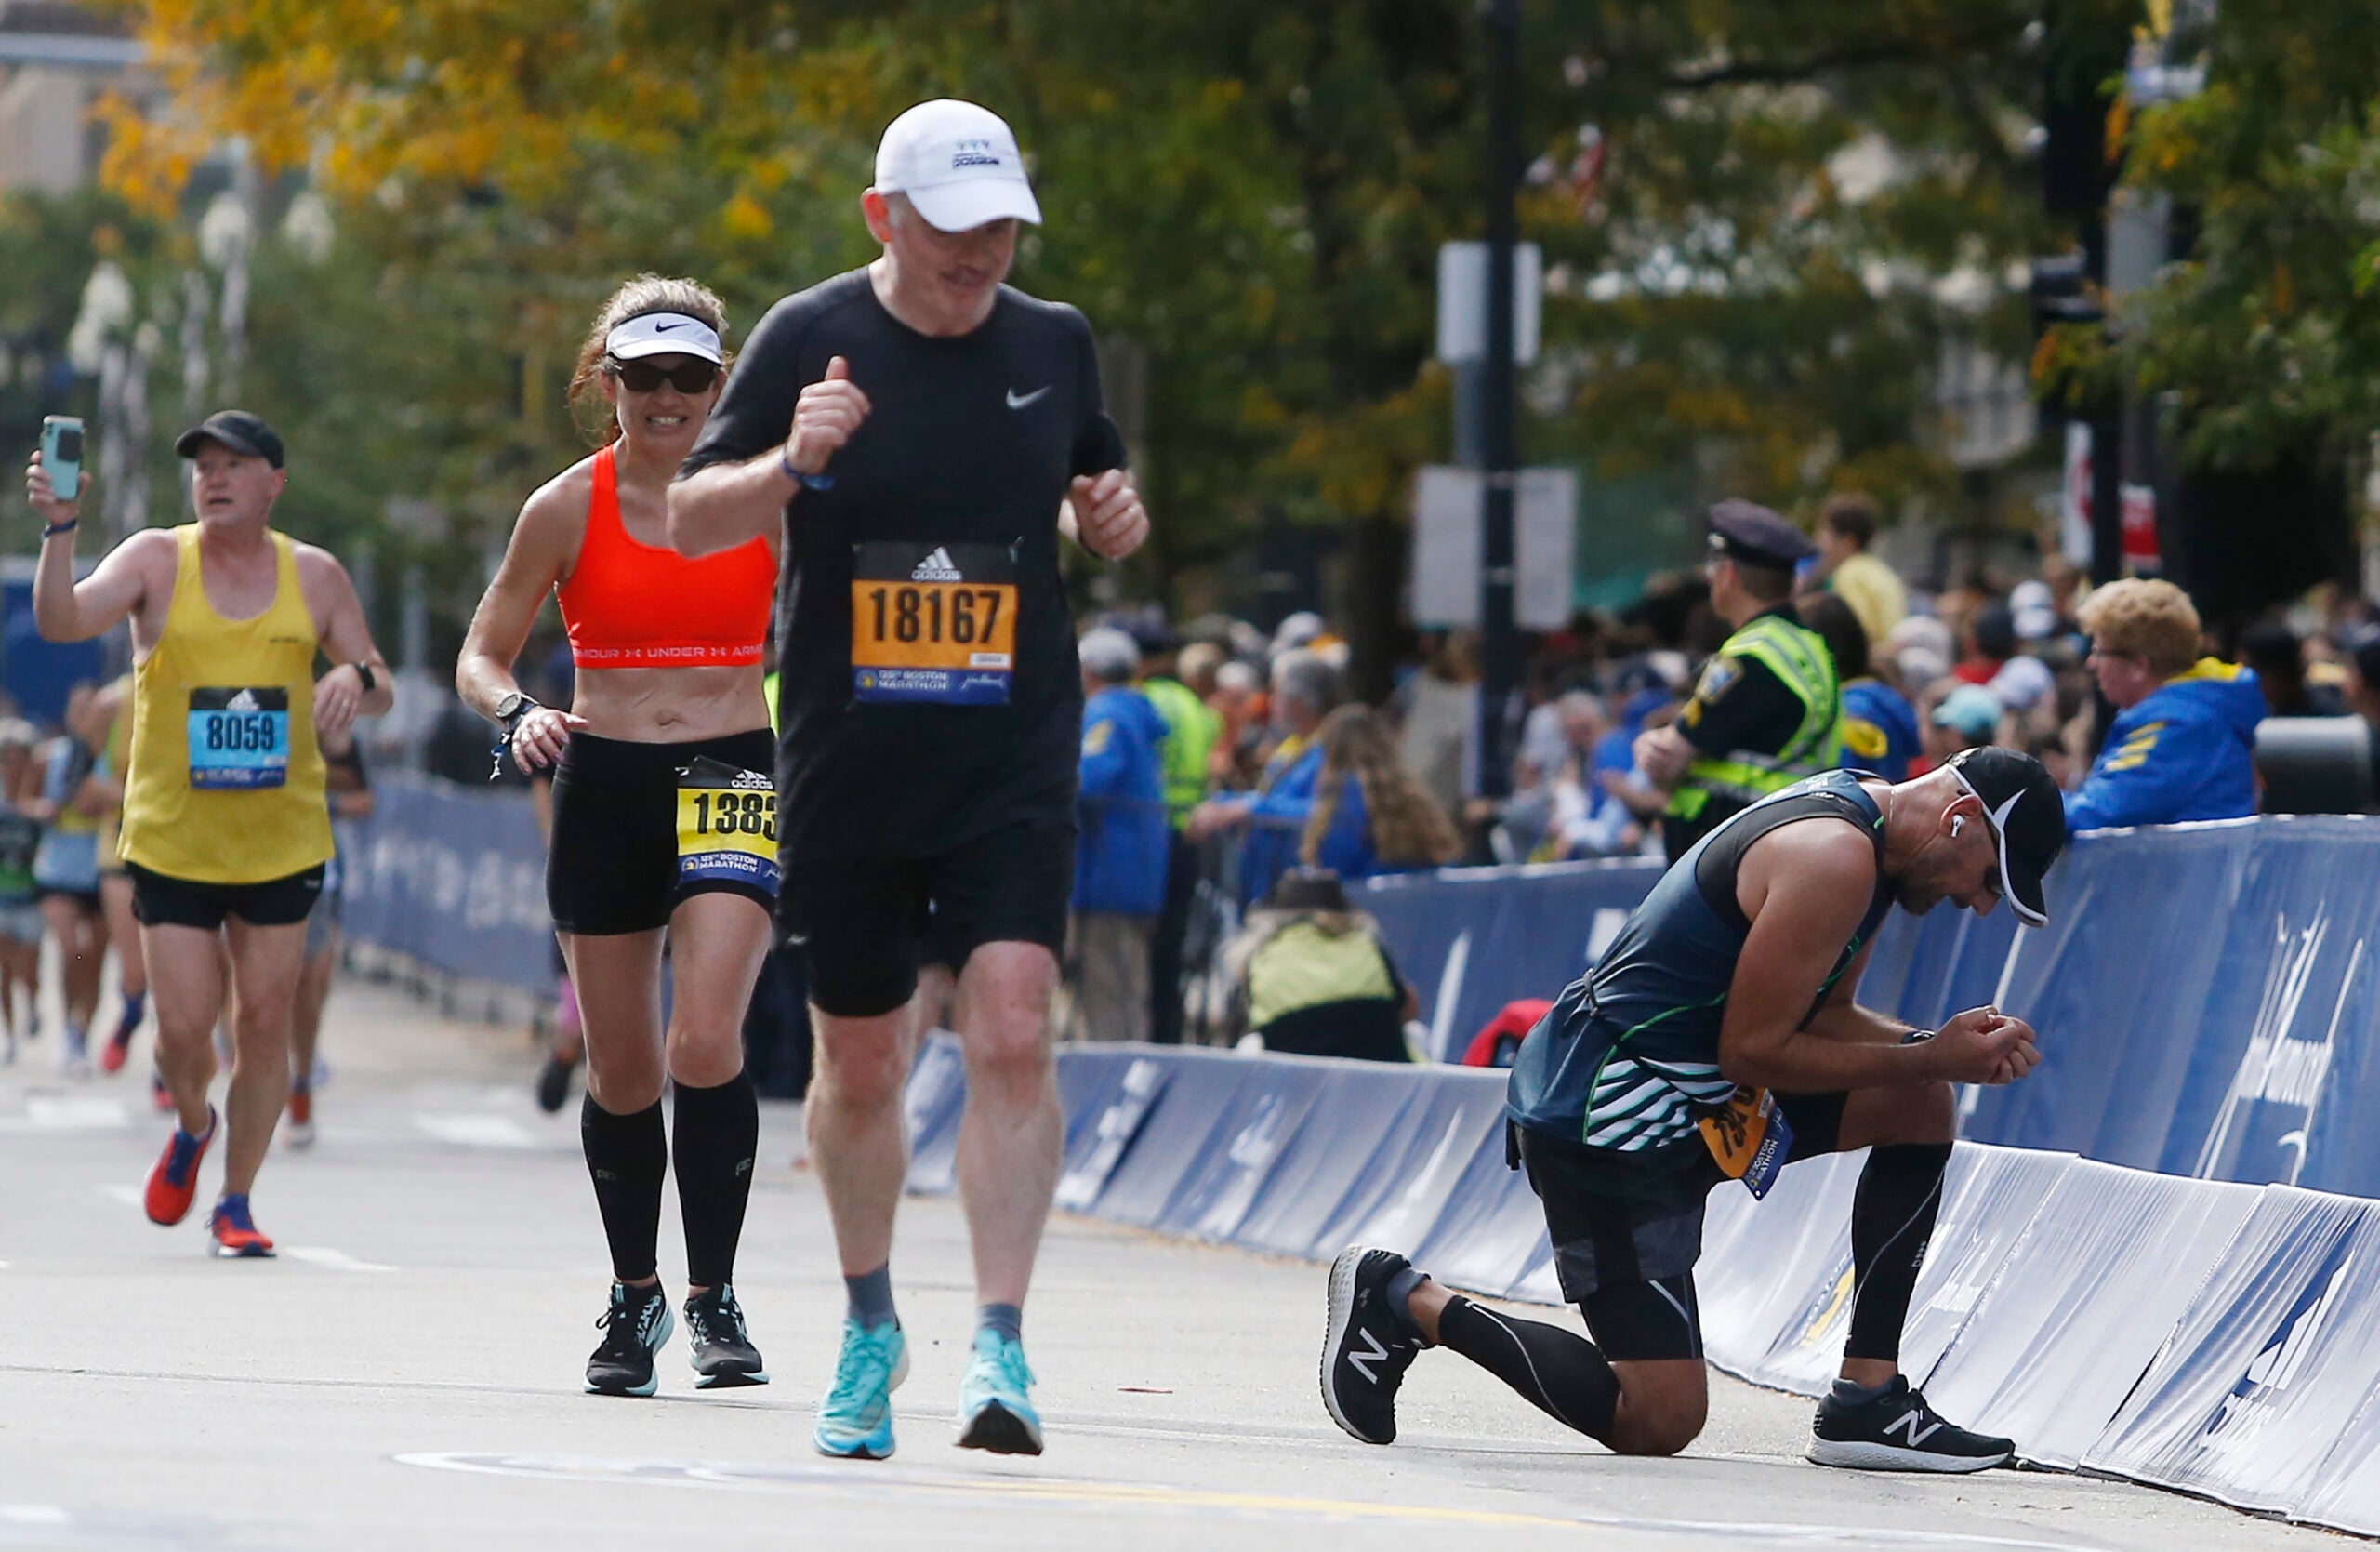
(823, 419)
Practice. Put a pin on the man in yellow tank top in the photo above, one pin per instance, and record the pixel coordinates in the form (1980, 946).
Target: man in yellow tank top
(225, 828)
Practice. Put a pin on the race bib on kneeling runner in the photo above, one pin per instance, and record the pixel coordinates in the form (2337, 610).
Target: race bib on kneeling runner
(727, 826)
(1750, 1138)
(934, 622)
(239, 738)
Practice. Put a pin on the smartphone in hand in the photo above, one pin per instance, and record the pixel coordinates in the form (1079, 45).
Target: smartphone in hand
(61, 455)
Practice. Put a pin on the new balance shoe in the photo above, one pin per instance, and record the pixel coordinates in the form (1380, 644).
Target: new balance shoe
(634, 1329)
(173, 1179)
(994, 1408)
(234, 1232)
(301, 1130)
(1365, 1347)
(855, 1420)
(1896, 1431)
(724, 1355)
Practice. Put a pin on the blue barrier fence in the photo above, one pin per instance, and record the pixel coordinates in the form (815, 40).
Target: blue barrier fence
(2205, 993)
(454, 878)
(2216, 1337)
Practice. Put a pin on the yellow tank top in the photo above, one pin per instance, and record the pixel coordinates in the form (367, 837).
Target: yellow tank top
(226, 784)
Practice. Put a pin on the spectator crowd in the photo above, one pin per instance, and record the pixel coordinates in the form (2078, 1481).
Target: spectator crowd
(1232, 789)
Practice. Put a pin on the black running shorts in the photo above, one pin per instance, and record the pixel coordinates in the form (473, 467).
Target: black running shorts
(866, 923)
(614, 865)
(1627, 1228)
(160, 901)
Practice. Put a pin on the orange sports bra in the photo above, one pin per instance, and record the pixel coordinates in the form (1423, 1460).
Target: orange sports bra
(629, 605)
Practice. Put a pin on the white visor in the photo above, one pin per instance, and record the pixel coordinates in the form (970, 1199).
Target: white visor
(664, 334)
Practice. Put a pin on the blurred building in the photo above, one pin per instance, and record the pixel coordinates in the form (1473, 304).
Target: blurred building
(56, 60)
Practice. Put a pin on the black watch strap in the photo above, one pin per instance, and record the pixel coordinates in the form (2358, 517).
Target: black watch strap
(364, 671)
(514, 708)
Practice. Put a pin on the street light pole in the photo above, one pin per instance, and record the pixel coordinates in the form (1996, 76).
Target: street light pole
(1499, 643)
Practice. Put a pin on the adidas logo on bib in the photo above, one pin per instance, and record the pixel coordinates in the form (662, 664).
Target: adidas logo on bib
(244, 701)
(936, 567)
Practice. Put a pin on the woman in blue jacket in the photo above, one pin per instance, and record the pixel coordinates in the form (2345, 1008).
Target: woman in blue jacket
(2183, 744)
(1120, 856)
(1369, 814)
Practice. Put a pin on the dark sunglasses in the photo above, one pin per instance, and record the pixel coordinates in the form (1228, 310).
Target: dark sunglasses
(643, 376)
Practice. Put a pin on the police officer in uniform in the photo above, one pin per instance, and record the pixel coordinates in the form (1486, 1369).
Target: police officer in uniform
(1765, 711)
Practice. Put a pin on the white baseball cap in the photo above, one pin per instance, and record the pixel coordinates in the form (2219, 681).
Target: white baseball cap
(664, 334)
(958, 165)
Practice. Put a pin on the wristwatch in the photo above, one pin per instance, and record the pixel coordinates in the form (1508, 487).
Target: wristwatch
(512, 707)
(364, 671)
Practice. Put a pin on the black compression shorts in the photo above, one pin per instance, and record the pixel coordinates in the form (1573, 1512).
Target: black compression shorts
(866, 923)
(1627, 1228)
(613, 866)
(161, 901)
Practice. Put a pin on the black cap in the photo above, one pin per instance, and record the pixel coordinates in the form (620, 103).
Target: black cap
(1306, 889)
(236, 428)
(1149, 632)
(1750, 533)
(2028, 816)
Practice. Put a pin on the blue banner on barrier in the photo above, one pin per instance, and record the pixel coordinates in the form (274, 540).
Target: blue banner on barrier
(2275, 1357)
(1472, 939)
(454, 878)
(2104, 1270)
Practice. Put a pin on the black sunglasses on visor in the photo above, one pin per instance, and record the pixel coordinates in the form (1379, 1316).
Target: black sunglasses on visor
(645, 376)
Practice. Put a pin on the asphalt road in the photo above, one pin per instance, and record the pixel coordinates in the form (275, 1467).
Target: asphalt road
(408, 1372)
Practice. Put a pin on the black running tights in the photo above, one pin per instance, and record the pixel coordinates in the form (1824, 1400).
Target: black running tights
(1892, 1217)
(1560, 1373)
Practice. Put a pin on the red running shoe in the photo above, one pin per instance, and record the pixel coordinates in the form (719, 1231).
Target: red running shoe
(235, 1233)
(112, 1055)
(173, 1180)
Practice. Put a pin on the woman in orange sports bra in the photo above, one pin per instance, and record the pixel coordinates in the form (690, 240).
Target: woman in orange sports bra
(663, 816)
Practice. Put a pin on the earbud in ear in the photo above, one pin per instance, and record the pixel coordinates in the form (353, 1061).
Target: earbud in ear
(1958, 823)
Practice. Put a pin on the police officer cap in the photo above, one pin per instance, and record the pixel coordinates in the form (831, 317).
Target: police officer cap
(1748, 532)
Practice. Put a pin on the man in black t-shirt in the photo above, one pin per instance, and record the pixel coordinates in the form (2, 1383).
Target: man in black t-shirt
(924, 433)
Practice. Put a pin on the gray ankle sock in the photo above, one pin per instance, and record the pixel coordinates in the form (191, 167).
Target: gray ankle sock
(1001, 1320)
(1400, 1295)
(869, 1296)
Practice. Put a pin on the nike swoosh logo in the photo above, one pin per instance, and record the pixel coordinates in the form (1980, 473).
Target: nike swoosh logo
(1018, 400)
(663, 328)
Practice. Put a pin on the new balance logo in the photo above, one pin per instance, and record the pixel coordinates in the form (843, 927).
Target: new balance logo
(1909, 1424)
(936, 567)
(1362, 1362)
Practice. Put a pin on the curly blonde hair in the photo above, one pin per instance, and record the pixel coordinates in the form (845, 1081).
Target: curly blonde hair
(646, 293)
(1409, 828)
(2146, 618)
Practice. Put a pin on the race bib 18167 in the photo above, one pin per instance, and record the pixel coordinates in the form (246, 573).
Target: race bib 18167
(239, 738)
(934, 622)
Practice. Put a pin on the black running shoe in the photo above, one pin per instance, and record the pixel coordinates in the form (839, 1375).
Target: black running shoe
(553, 1083)
(723, 1354)
(634, 1329)
(1897, 1431)
(1366, 1349)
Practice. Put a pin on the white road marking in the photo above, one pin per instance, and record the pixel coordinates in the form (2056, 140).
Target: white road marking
(337, 1260)
(128, 1195)
(1042, 1492)
(475, 1129)
(69, 1113)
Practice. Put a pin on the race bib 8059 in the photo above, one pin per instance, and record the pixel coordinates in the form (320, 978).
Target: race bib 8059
(934, 622)
(239, 738)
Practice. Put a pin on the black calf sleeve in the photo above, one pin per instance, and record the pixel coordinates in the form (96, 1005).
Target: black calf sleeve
(1561, 1373)
(715, 1136)
(627, 1155)
(1891, 1218)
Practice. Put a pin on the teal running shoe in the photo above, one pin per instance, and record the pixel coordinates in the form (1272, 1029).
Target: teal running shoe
(855, 1420)
(995, 1412)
